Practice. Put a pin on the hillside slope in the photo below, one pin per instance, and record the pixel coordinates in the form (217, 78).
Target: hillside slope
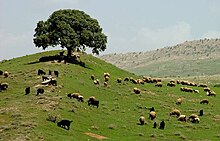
(191, 58)
(24, 117)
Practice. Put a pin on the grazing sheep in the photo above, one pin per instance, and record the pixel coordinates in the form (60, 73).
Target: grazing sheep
(152, 115)
(206, 89)
(162, 125)
(56, 73)
(175, 112)
(182, 118)
(80, 98)
(106, 74)
(142, 120)
(93, 101)
(204, 101)
(3, 86)
(155, 125)
(96, 82)
(41, 72)
(27, 90)
(40, 91)
(201, 113)
(171, 84)
(6, 74)
(192, 117)
(140, 81)
(126, 79)
(53, 82)
(179, 101)
(152, 109)
(64, 123)
(196, 120)
(106, 78)
(196, 91)
(119, 80)
(136, 90)
(211, 93)
(1, 72)
(158, 84)
(44, 78)
(203, 85)
(105, 84)
(92, 77)
(77, 96)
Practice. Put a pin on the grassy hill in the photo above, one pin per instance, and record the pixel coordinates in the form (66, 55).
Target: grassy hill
(191, 58)
(23, 117)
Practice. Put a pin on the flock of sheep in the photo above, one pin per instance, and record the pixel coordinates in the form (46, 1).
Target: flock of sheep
(92, 101)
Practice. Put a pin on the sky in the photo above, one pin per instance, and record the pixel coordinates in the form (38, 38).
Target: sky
(131, 26)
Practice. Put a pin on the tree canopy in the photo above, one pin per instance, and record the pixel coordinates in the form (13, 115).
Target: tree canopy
(71, 29)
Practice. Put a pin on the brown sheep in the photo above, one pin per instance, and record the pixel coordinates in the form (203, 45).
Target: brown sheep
(192, 117)
(96, 82)
(175, 112)
(182, 118)
(6, 74)
(211, 93)
(142, 120)
(152, 115)
(137, 91)
(159, 84)
(204, 101)
(119, 80)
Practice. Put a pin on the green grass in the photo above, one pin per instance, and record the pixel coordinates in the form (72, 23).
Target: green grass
(23, 117)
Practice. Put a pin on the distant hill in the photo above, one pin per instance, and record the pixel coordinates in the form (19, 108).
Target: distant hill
(191, 58)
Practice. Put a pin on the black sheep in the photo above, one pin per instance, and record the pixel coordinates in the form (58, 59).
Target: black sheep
(41, 72)
(40, 91)
(93, 102)
(50, 72)
(162, 125)
(1, 72)
(27, 90)
(201, 113)
(64, 123)
(155, 125)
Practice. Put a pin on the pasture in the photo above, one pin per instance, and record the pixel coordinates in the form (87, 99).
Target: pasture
(25, 117)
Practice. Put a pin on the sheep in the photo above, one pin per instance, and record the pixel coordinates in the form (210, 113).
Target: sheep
(201, 113)
(106, 74)
(56, 73)
(155, 125)
(64, 123)
(192, 117)
(196, 91)
(119, 80)
(3, 86)
(106, 78)
(211, 93)
(142, 120)
(171, 84)
(53, 82)
(203, 85)
(204, 101)
(158, 84)
(1, 72)
(196, 120)
(105, 84)
(96, 82)
(162, 125)
(179, 101)
(6, 74)
(93, 101)
(44, 78)
(27, 90)
(41, 72)
(77, 96)
(92, 77)
(40, 91)
(80, 98)
(206, 89)
(126, 79)
(152, 109)
(175, 112)
(136, 90)
(182, 118)
(140, 81)
(152, 115)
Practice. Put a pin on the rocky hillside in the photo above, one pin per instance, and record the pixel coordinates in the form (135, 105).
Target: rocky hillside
(191, 58)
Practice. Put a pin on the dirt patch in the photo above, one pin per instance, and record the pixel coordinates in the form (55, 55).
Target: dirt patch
(99, 137)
